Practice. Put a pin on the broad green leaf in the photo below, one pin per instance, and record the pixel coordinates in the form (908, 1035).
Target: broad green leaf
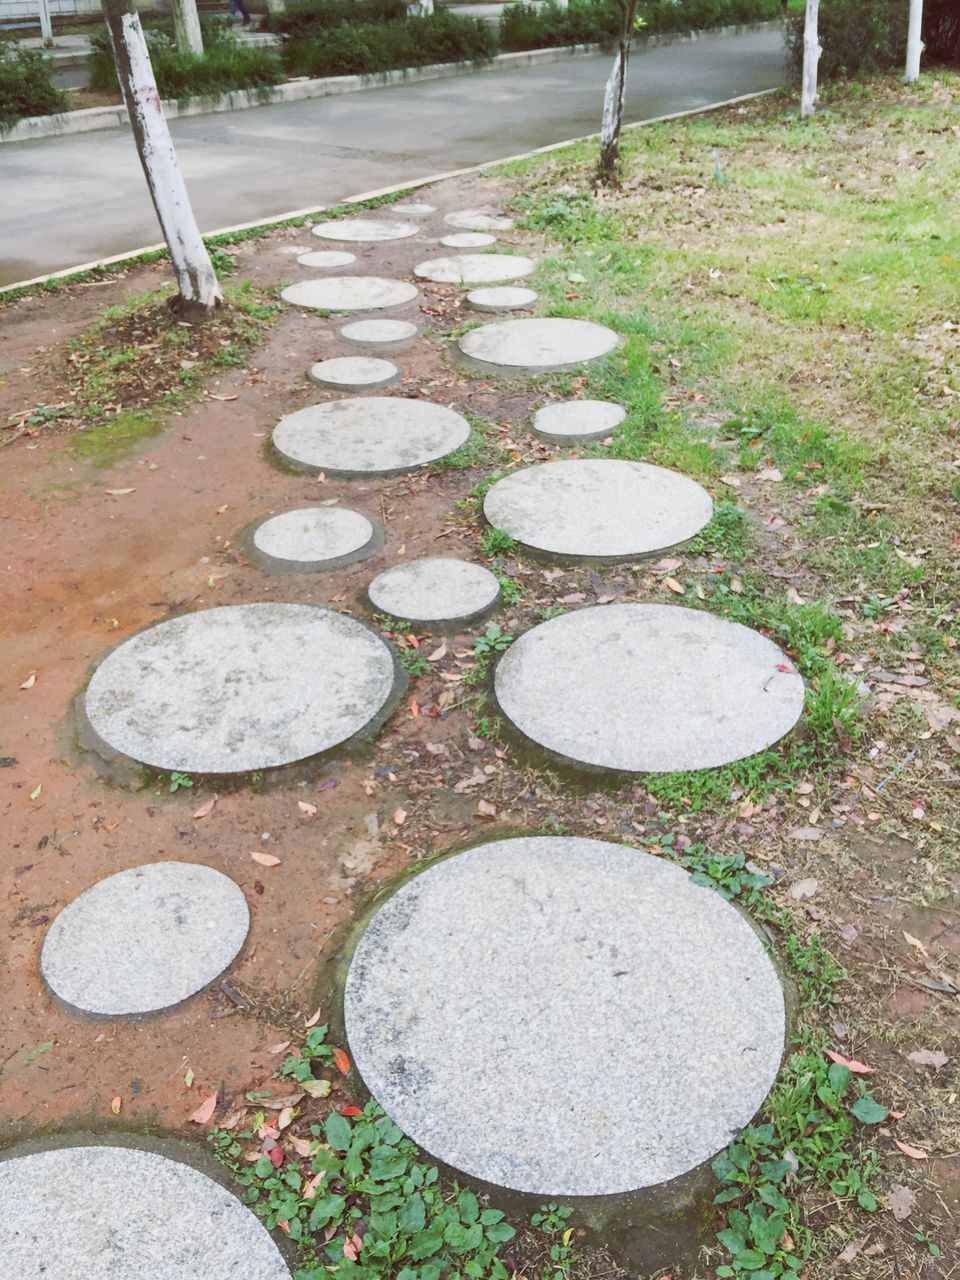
(869, 1111)
(337, 1130)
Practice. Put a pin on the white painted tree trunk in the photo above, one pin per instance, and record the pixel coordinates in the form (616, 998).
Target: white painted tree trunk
(420, 9)
(811, 59)
(46, 28)
(276, 6)
(186, 25)
(914, 43)
(612, 120)
(199, 289)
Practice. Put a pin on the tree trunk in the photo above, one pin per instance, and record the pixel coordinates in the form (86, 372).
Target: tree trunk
(199, 290)
(276, 6)
(46, 29)
(914, 43)
(811, 59)
(186, 25)
(613, 95)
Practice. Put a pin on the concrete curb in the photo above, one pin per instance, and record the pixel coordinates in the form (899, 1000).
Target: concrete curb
(413, 184)
(92, 119)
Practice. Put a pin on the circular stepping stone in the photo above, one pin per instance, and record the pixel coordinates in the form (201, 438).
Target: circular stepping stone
(573, 420)
(327, 259)
(468, 240)
(350, 293)
(145, 939)
(364, 230)
(379, 331)
(505, 298)
(648, 688)
(538, 345)
(598, 508)
(435, 592)
(577, 962)
(240, 688)
(369, 436)
(477, 220)
(414, 209)
(315, 538)
(354, 373)
(475, 268)
(119, 1212)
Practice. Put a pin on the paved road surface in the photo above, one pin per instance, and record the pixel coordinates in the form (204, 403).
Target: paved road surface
(74, 199)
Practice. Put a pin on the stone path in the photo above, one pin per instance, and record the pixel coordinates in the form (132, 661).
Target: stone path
(573, 959)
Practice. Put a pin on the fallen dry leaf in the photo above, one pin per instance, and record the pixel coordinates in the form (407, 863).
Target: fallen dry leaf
(486, 809)
(282, 1047)
(915, 942)
(342, 1060)
(913, 1152)
(204, 1113)
(285, 1117)
(935, 1058)
(118, 493)
(302, 1146)
(673, 585)
(811, 834)
(305, 807)
(116, 1104)
(313, 1020)
(804, 889)
(30, 681)
(858, 1068)
(207, 808)
(316, 1088)
(901, 1202)
(400, 817)
(265, 859)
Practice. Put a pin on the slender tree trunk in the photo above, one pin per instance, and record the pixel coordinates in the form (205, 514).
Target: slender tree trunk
(186, 25)
(612, 121)
(914, 43)
(811, 60)
(199, 289)
(46, 29)
(276, 6)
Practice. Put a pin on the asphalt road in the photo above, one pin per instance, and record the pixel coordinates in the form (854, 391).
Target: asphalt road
(74, 199)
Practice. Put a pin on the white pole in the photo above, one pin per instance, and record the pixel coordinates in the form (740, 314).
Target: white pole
(186, 26)
(811, 58)
(914, 43)
(46, 28)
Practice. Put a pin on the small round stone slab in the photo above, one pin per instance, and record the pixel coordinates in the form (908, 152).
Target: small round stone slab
(475, 268)
(313, 538)
(377, 332)
(119, 1212)
(648, 688)
(354, 373)
(350, 293)
(598, 508)
(369, 435)
(576, 961)
(477, 220)
(364, 230)
(240, 688)
(468, 240)
(538, 345)
(435, 591)
(505, 298)
(572, 420)
(144, 939)
(327, 259)
(414, 209)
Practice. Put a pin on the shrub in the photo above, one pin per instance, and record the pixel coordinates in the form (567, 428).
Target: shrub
(310, 20)
(598, 21)
(224, 65)
(25, 86)
(699, 15)
(357, 49)
(871, 35)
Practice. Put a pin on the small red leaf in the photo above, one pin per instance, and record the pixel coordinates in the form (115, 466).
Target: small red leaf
(858, 1068)
(355, 1111)
(342, 1060)
(276, 1156)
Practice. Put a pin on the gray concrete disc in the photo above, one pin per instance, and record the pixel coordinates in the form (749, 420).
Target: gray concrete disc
(354, 373)
(119, 1213)
(370, 435)
(240, 688)
(145, 939)
(572, 420)
(435, 591)
(477, 220)
(638, 1012)
(350, 293)
(414, 209)
(379, 331)
(364, 230)
(536, 344)
(648, 688)
(598, 508)
(475, 268)
(313, 538)
(505, 298)
(468, 240)
(327, 259)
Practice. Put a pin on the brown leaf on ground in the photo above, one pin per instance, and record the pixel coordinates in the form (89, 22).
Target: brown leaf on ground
(204, 1113)
(901, 1202)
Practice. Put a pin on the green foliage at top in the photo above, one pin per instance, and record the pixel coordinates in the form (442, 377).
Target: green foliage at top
(871, 35)
(526, 26)
(224, 65)
(317, 17)
(26, 88)
(365, 48)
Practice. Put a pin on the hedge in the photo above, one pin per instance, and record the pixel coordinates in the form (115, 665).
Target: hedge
(362, 48)
(26, 88)
(871, 35)
(223, 66)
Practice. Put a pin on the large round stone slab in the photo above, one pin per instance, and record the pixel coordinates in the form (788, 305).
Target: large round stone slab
(538, 345)
(639, 1010)
(648, 688)
(467, 240)
(435, 592)
(477, 220)
(144, 939)
(504, 298)
(369, 435)
(350, 293)
(353, 373)
(475, 268)
(364, 230)
(118, 1213)
(327, 259)
(572, 420)
(377, 332)
(315, 538)
(240, 688)
(598, 508)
